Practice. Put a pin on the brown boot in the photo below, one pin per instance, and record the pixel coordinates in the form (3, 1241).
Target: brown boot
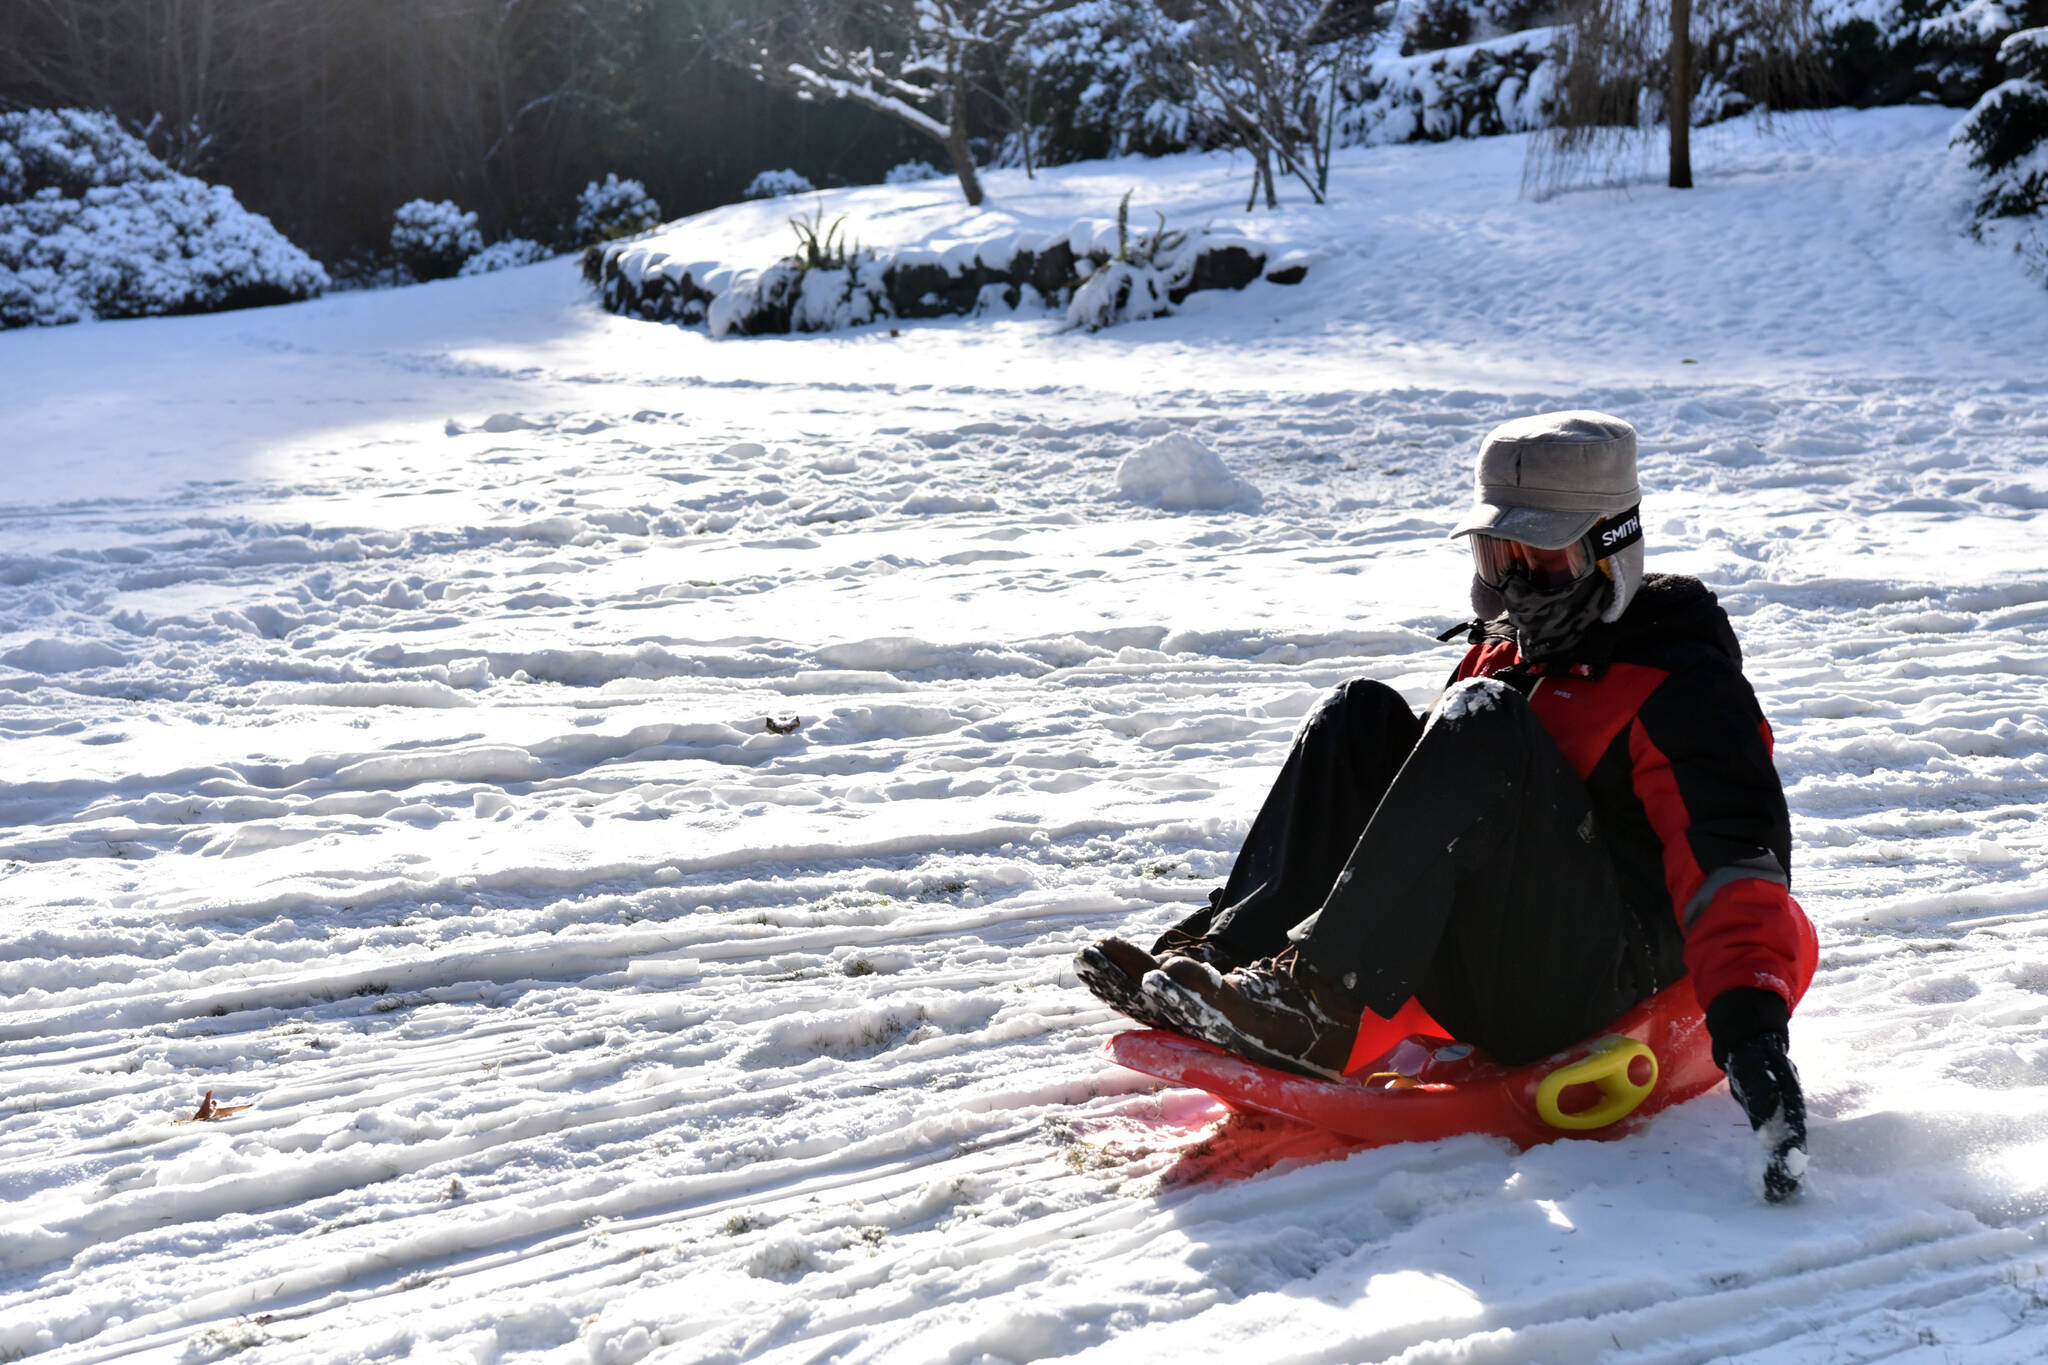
(1181, 943)
(1279, 1011)
(1114, 970)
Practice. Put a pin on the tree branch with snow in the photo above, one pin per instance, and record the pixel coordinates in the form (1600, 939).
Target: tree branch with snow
(911, 60)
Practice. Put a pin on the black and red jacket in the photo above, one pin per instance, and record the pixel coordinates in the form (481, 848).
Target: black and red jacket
(1657, 719)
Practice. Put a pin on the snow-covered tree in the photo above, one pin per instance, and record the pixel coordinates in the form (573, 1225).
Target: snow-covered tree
(1102, 78)
(2006, 133)
(913, 60)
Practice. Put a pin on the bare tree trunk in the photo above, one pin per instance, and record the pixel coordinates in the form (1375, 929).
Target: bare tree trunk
(1024, 128)
(956, 129)
(1678, 107)
(1262, 174)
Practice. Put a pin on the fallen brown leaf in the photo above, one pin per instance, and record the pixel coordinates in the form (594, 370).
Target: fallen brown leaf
(208, 1111)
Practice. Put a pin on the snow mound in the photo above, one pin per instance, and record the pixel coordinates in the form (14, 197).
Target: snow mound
(1180, 474)
(62, 656)
(93, 225)
(432, 695)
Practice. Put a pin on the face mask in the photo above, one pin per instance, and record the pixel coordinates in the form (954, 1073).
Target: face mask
(1548, 625)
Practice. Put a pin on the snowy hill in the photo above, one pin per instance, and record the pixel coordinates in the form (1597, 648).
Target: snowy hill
(384, 682)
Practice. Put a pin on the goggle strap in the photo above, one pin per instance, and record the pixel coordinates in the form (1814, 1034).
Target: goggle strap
(1617, 533)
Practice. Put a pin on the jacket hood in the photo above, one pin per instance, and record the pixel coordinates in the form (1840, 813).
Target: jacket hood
(1668, 609)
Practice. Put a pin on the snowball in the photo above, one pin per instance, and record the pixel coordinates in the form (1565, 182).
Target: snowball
(1179, 473)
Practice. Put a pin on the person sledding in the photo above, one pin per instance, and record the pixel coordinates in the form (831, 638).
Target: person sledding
(1588, 813)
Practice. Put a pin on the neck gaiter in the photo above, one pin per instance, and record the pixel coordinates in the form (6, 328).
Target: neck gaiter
(1548, 625)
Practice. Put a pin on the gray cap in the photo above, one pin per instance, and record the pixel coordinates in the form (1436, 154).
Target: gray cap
(1547, 480)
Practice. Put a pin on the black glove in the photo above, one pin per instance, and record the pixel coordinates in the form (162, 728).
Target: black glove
(1751, 1043)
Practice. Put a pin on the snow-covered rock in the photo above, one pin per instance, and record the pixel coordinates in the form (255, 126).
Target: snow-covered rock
(1075, 272)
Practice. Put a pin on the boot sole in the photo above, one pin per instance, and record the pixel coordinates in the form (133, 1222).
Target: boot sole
(1115, 988)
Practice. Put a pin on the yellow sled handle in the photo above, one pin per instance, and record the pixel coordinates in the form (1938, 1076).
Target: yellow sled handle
(1607, 1068)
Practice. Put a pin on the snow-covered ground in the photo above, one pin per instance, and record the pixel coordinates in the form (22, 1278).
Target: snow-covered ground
(384, 683)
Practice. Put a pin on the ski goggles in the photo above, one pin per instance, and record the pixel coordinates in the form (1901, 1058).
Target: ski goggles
(1495, 557)
(1543, 570)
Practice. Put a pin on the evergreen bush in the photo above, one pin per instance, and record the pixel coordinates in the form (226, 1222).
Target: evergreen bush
(433, 241)
(2006, 132)
(776, 185)
(93, 225)
(613, 208)
(505, 255)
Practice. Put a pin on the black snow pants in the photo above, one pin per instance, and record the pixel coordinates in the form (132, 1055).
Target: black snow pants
(1460, 864)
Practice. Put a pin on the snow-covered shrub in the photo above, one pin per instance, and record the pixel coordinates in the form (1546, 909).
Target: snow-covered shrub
(1432, 25)
(69, 151)
(1103, 78)
(912, 173)
(828, 282)
(1435, 25)
(1138, 282)
(614, 208)
(1121, 291)
(513, 251)
(776, 184)
(1503, 85)
(92, 225)
(846, 296)
(2006, 132)
(433, 240)
(1893, 51)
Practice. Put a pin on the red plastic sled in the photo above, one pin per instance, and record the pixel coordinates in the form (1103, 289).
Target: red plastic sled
(1426, 1087)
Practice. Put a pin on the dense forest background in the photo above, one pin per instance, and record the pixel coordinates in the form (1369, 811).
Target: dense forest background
(326, 115)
